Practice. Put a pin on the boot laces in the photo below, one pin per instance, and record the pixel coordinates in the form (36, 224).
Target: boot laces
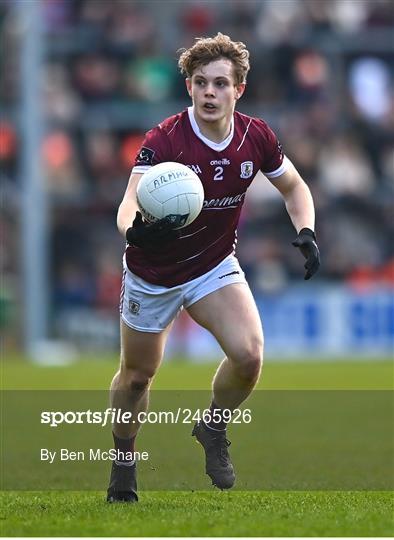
(221, 445)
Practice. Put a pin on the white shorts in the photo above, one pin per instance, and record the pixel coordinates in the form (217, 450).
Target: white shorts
(151, 308)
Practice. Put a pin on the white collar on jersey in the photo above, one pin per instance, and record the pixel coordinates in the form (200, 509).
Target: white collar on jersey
(215, 146)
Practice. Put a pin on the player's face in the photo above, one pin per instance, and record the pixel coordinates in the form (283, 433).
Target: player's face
(214, 92)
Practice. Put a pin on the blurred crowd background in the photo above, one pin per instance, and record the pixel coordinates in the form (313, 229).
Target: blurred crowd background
(322, 76)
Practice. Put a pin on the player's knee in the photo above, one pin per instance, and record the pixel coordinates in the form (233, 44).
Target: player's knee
(140, 383)
(136, 380)
(250, 360)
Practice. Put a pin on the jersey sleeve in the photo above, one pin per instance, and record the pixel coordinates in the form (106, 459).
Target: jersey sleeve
(154, 149)
(275, 162)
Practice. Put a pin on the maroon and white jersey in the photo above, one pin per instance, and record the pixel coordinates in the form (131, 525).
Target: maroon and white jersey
(226, 170)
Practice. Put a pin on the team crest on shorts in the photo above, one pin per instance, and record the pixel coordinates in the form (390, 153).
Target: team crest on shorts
(246, 169)
(134, 306)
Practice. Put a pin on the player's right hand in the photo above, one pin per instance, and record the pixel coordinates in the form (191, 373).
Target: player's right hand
(147, 235)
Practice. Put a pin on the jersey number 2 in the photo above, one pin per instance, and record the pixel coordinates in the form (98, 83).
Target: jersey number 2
(218, 173)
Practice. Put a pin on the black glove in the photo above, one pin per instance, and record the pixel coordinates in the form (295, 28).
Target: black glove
(150, 235)
(306, 241)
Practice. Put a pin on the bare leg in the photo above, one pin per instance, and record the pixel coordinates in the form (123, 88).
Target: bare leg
(231, 315)
(141, 355)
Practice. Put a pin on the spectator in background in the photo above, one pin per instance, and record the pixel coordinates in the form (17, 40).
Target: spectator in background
(369, 85)
(61, 102)
(310, 77)
(8, 148)
(197, 18)
(64, 175)
(279, 22)
(152, 74)
(347, 16)
(128, 25)
(344, 169)
(104, 165)
(97, 77)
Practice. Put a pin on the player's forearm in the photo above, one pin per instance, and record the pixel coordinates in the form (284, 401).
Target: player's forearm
(300, 207)
(126, 214)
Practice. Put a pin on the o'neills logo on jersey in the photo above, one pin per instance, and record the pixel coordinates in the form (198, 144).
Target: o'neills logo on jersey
(223, 161)
(224, 202)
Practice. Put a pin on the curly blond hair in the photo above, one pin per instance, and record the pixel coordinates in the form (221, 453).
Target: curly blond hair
(206, 50)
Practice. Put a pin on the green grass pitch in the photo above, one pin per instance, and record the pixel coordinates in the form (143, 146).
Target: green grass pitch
(201, 513)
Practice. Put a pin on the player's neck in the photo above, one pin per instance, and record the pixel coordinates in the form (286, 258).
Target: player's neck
(216, 132)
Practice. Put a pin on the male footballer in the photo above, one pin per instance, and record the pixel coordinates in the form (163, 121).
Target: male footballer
(195, 267)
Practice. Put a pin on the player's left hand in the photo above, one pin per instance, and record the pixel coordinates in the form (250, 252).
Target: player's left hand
(306, 242)
(151, 235)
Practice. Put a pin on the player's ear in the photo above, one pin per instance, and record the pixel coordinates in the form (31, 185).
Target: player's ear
(188, 82)
(239, 90)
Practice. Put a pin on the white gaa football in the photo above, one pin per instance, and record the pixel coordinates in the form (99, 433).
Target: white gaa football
(170, 189)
